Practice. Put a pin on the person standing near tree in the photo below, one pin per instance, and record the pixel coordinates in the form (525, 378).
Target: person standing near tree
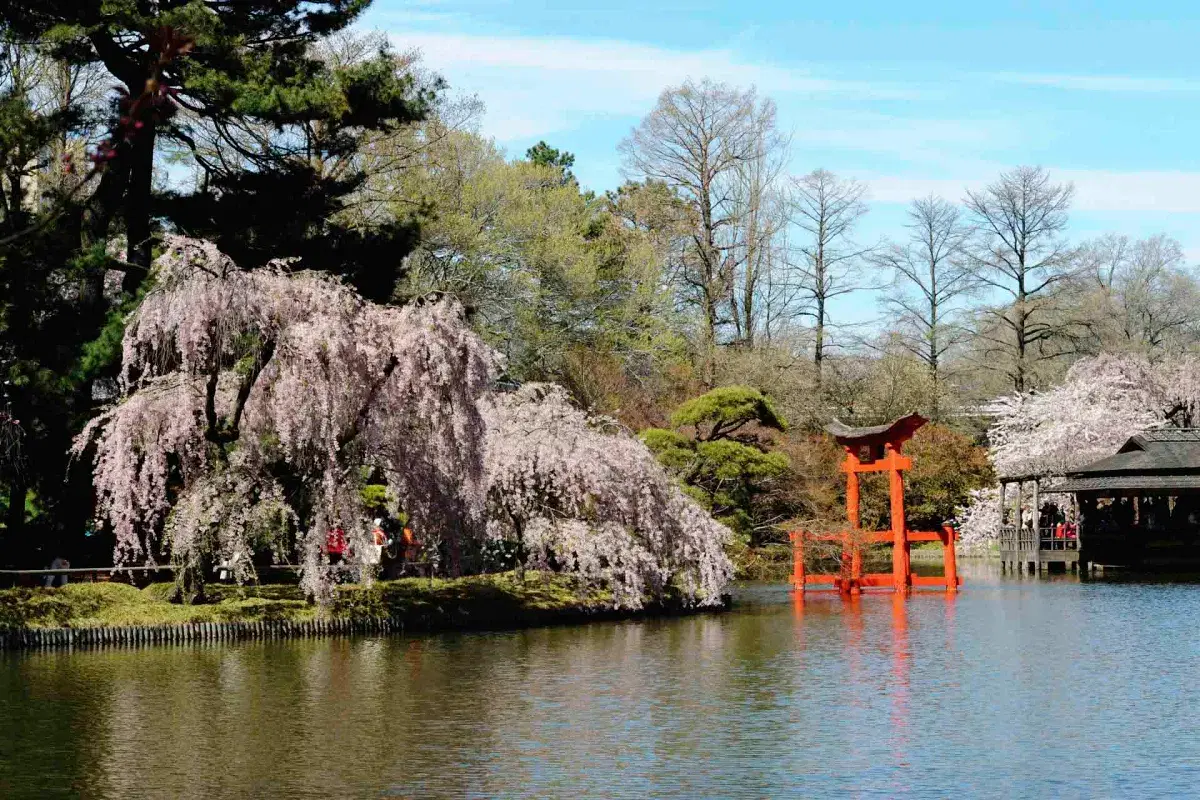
(335, 545)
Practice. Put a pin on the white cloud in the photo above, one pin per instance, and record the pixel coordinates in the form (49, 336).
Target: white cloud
(533, 86)
(943, 142)
(1162, 191)
(1100, 83)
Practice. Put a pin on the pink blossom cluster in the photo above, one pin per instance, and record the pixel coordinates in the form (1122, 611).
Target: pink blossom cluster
(1101, 402)
(584, 496)
(255, 404)
(280, 390)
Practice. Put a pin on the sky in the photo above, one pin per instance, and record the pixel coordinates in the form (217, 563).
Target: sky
(910, 98)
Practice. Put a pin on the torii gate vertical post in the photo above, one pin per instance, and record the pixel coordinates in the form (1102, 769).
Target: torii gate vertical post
(854, 546)
(901, 565)
(876, 449)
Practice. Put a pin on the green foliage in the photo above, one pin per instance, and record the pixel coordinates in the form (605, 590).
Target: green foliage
(727, 467)
(544, 155)
(500, 600)
(374, 497)
(947, 466)
(737, 462)
(552, 277)
(674, 451)
(727, 410)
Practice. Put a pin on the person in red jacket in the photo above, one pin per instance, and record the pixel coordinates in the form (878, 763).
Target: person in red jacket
(335, 545)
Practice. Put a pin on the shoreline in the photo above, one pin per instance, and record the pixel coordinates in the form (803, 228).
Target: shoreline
(119, 615)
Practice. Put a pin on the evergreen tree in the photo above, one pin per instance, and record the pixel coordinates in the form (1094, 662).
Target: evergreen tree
(544, 155)
(241, 91)
(239, 96)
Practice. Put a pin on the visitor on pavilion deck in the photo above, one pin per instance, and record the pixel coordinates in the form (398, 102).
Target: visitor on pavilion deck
(1153, 513)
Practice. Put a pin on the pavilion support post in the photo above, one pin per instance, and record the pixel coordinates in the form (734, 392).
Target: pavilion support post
(1003, 512)
(1077, 521)
(1019, 513)
(1037, 515)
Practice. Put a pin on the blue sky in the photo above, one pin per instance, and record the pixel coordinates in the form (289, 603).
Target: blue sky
(907, 97)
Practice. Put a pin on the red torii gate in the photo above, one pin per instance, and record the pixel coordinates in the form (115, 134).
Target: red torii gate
(876, 449)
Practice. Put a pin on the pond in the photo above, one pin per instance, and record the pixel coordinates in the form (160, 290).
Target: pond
(1017, 686)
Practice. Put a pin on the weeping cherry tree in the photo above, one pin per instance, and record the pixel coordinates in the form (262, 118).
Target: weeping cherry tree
(255, 401)
(255, 404)
(579, 494)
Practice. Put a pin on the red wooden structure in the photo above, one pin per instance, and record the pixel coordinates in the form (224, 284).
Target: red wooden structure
(876, 449)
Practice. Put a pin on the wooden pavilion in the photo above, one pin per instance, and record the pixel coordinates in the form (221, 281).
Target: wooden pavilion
(1139, 507)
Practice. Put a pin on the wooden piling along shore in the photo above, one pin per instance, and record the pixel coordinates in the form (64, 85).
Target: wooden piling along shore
(136, 635)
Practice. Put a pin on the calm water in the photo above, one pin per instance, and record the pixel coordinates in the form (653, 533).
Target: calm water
(1015, 687)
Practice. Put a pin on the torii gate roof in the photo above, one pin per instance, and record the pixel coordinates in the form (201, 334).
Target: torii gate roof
(895, 432)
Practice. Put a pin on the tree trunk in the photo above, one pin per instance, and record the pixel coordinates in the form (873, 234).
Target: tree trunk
(708, 344)
(819, 344)
(934, 406)
(137, 207)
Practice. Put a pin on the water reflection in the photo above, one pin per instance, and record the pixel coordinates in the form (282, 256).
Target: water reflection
(927, 695)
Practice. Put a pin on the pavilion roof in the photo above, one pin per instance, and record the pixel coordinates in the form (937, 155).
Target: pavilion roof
(898, 430)
(1167, 458)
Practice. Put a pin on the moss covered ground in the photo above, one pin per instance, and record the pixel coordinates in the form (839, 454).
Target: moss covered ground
(483, 601)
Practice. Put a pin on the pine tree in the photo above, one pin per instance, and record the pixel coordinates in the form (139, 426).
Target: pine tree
(239, 97)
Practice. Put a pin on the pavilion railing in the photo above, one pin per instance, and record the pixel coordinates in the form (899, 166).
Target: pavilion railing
(1057, 539)
(1017, 539)
(1025, 540)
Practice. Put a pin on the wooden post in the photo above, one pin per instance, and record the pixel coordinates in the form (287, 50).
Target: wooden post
(850, 548)
(798, 576)
(1003, 486)
(852, 501)
(1077, 521)
(949, 559)
(1037, 516)
(901, 568)
(1019, 513)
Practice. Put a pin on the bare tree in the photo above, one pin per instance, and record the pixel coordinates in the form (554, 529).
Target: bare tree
(825, 208)
(754, 240)
(930, 275)
(1018, 252)
(699, 140)
(1140, 296)
(61, 101)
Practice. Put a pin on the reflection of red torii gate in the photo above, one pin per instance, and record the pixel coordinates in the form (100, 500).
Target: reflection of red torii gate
(876, 449)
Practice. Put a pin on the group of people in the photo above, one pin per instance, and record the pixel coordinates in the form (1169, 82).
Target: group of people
(1054, 518)
(391, 543)
(1154, 514)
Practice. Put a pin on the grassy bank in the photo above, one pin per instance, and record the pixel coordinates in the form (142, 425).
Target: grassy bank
(484, 601)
